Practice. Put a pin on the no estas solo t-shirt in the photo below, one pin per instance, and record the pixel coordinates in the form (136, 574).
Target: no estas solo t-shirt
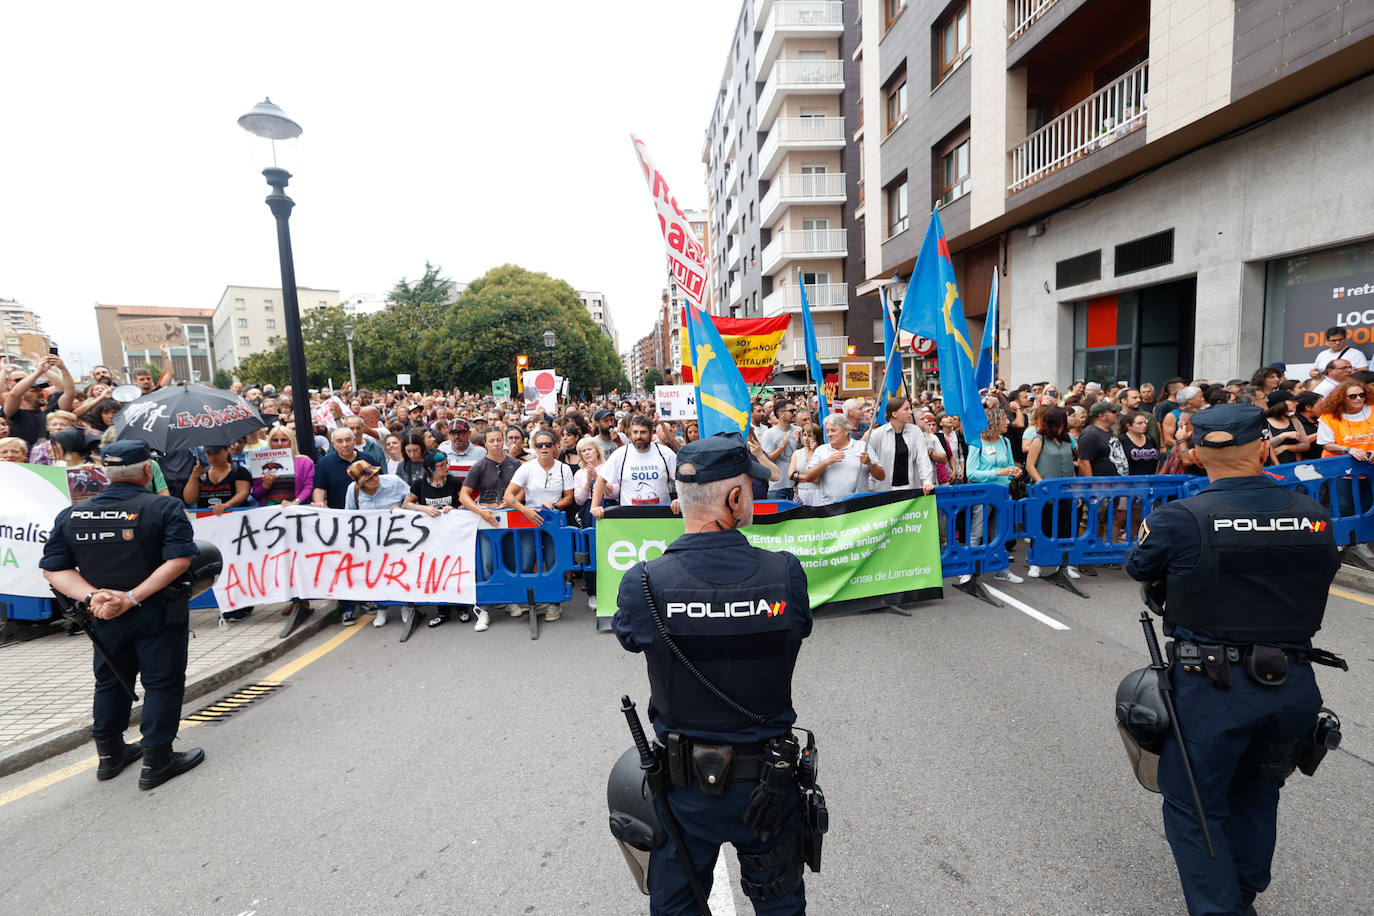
(642, 477)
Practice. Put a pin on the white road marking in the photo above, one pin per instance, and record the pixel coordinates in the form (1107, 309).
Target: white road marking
(722, 899)
(1026, 609)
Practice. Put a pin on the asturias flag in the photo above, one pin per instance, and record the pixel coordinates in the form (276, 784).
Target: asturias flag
(932, 308)
(892, 378)
(813, 354)
(722, 396)
(986, 373)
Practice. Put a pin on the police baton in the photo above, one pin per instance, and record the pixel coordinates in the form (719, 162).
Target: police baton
(658, 784)
(1166, 692)
(79, 614)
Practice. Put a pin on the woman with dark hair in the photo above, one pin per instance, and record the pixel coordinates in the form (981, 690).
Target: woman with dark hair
(567, 446)
(1287, 440)
(102, 415)
(515, 444)
(1266, 379)
(1050, 455)
(900, 452)
(413, 451)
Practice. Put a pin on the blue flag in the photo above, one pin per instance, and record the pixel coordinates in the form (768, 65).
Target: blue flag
(932, 308)
(892, 378)
(986, 373)
(722, 396)
(813, 354)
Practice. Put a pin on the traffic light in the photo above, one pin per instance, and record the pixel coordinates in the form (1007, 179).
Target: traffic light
(522, 362)
(850, 350)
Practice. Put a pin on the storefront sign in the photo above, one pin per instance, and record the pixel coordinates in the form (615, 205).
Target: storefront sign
(276, 553)
(1310, 308)
(881, 544)
(856, 376)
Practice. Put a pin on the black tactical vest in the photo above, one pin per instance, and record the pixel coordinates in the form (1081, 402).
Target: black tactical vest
(741, 635)
(117, 544)
(1262, 574)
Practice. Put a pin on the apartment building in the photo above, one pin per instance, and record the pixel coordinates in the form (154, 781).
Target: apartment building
(250, 319)
(194, 362)
(21, 333)
(1167, 188)
(781, 167)
(595, 304)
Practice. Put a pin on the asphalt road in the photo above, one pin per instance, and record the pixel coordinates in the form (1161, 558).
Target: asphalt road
(968, 755)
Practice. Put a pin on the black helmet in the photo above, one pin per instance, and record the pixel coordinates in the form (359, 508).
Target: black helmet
(1143, 721)
(634, 822)
(205, 568)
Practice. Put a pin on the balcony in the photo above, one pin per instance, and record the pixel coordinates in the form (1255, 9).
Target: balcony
(732, 215)
(802, 244)
(797, 19)
(735, 294)
(732, 253)
(732, 179)
(1023, 14)
(1112, 112)
(799, 77)
(809, 188)
(820, 296)
(831, 349)
(798, 134)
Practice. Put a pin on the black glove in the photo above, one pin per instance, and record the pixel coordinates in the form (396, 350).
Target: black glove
(773, 799)
(1155, 594)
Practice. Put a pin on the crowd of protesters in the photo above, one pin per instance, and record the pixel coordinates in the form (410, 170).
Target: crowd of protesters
(443, 451)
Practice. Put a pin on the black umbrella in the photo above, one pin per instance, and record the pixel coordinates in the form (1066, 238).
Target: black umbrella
(186, 417)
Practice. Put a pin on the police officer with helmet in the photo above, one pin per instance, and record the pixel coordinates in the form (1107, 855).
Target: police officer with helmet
(1240, 573)
(721, 623)
(117, 553)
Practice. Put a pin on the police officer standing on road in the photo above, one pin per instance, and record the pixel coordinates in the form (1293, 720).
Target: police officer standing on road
(1245, 567)
(116, 552)
(738, 615)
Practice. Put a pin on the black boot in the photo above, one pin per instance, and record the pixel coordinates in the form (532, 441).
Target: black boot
(162, 763)
(115, 755)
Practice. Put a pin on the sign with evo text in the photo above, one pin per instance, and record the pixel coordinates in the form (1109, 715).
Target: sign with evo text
(279, 552)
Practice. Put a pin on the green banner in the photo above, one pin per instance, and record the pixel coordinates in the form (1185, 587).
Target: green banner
(882, 544)
(500, 388)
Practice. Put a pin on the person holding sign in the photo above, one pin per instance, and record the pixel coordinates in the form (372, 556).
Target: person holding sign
(544, 483)
(220, 486)
(279, 486)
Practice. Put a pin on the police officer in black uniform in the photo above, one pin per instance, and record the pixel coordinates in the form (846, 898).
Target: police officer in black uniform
(117, 552)
(739, 615)
(1244, 568)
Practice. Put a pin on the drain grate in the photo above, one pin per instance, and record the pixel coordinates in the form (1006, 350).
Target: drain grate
(228, 706)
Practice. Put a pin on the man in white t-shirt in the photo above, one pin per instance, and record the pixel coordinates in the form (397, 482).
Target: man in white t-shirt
(1337, 348)
(1338, 372)
(637, 475)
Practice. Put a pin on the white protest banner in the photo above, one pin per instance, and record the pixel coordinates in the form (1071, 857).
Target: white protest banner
(266, 461)
(276, 553)
(34, 494)
(541, 390)
(676, 402)
(403, 378)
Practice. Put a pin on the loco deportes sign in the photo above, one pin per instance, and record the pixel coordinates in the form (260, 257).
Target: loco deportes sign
(881, 544)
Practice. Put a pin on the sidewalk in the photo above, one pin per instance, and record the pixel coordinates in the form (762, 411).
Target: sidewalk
(46, 683)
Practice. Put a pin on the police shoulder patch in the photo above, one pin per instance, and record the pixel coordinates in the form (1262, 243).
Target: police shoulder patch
(1144, 531)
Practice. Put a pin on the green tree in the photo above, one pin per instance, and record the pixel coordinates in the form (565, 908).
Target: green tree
(431, 289)
(504, 314)
(653, 378)
(326, 353)
(222, 379)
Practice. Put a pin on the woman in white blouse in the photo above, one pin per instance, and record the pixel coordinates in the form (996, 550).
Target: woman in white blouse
(544, 483)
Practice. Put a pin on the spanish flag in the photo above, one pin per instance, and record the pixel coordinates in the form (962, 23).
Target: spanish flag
(753, 344)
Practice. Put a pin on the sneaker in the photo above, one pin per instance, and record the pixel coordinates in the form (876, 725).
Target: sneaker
(1033, 572)
(348, 618)
(1006, 575)
(483, 621)
(407, 614)
(554, 612)
(591, 602)
(380, 620)
(464, 615)
(517, 610)
(965, 580)
(1073, 572)
(438, 620)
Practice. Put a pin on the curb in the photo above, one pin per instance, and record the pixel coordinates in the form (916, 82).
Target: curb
(1354, 577)
(72, 735)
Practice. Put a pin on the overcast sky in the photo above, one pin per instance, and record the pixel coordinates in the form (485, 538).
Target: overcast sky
(470, 134)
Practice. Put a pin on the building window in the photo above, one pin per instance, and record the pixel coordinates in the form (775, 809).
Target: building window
(323, 304)
(893, 9)
(267, 305)
(952, 43)
(243, 322)
(954, 175)
(896, 102)
(239, 304)
(897, 214)
(271, 322)
(243, 341)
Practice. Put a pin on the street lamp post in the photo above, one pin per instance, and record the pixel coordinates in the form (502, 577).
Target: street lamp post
(352, 376)
(268, 121)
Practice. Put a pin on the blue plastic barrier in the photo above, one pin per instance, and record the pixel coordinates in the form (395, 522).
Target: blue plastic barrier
(552, 543)
(1344, 486)
(1108, 510)
(962, 509)
(22, 607)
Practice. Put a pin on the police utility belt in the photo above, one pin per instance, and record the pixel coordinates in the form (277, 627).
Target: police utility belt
(1266, 665)
(707, 766)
